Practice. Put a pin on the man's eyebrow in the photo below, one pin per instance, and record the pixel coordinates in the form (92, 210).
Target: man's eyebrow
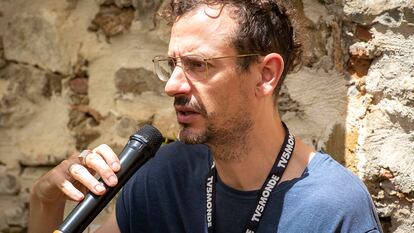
(185, 51)
(197, 53)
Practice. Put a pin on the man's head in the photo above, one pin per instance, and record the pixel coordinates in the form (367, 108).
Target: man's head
(220, 96)
(263, 27)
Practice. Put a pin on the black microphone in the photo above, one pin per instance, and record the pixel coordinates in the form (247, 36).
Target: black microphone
(141, 146)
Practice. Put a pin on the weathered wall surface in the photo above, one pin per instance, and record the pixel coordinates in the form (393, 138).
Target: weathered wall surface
(381, 107)
(74, 74)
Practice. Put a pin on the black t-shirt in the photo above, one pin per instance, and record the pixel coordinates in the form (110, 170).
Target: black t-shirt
(168, 194)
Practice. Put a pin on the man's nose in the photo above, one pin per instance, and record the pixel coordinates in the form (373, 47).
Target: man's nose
(178, 84)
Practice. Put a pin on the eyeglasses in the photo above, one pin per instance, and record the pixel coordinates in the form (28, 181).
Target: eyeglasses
(194, 66)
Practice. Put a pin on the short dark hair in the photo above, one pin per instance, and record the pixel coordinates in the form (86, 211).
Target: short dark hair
(265, 26)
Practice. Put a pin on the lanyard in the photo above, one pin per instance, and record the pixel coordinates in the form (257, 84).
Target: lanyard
(271, 182)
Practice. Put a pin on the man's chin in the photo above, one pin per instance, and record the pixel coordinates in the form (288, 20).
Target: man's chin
(189, 135)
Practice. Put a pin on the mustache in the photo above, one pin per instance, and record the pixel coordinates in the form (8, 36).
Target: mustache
(192, 103)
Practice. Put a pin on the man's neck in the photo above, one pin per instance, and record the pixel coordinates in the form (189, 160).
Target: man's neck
(256, 158)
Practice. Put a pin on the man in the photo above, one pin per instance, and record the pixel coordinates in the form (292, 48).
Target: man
(237, 167)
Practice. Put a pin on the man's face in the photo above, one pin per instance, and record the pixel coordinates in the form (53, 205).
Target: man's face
(217, 108)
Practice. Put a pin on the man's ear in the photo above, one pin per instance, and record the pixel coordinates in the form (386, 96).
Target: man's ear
(271, 71)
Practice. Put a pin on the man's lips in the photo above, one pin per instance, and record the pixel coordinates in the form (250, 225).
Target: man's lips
(186, 115)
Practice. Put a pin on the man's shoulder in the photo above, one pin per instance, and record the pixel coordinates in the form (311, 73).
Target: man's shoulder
(336, 194)
(329, 173)
(333, 187)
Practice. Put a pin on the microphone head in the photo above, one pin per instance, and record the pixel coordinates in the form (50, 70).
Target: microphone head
(152, 135)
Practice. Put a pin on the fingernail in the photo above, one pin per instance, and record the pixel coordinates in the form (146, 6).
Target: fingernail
(115, 166)
(99, 188)
(79, 196)
(113, 180)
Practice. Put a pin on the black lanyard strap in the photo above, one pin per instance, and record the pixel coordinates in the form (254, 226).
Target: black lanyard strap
(271, 182)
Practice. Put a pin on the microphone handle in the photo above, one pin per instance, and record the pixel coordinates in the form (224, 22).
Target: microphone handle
(86, 211)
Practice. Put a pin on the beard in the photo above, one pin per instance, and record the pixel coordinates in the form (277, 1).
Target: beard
(226, 135)
(187, 134)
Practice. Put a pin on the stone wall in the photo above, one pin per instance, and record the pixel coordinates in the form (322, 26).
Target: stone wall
(75, 74)
(381, 106)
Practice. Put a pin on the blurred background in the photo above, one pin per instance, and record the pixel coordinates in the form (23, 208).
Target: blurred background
(77, 73)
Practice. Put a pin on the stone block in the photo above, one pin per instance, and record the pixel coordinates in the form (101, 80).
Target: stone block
(79, 85)
(8, 156)
(363, 33)
(314, 10)
(46, 141)
(125, 127)
(383, 137)
(4, 84)
(286, 103)
(34, 39)
(8, 182)
(7, 202)
(364, 12)
(150, 108)
(104, 2)
(53, 85)
(321, 104)
(25, 81)
(124, 53)
(17, 218)
(84, 135)
(110, 135)
(79, 99)
(137, 81)
(112, 21)
(166, 122)
(123, 3)
(24, 91)
(2, 61)
(30, 175)
(146, 8)
(315, 42)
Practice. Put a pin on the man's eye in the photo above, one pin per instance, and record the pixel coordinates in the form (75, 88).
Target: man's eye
(194, 65)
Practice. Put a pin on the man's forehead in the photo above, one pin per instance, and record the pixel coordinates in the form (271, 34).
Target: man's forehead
(203, 28)
(211, 11)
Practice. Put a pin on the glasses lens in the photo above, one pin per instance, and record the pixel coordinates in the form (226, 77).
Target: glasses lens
(194, 64)
(164, 67)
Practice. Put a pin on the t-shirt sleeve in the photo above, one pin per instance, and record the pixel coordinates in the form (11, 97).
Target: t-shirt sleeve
(341, 199)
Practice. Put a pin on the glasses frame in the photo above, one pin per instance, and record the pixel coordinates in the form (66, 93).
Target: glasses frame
(156, 60)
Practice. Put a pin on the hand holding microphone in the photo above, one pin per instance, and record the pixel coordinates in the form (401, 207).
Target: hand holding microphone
(65, 179)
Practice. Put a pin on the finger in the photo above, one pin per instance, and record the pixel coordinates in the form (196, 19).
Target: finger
(77, 158)
(109, 155)
(69, 190)
(97, 163)
(81, 174)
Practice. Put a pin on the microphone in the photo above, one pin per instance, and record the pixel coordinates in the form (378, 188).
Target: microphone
(140, 148)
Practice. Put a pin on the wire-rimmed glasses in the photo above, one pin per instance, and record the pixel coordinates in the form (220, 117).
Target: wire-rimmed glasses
(194, 66)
